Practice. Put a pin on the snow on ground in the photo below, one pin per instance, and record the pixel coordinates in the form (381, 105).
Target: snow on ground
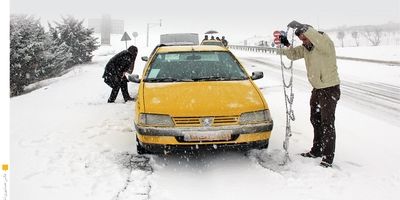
(387, 53)
(68, 143)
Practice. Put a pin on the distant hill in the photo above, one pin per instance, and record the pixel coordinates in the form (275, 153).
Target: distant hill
(388, 27)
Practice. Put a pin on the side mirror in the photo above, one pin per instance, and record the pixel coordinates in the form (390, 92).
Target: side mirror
(257, 75)
(133, 78)
(145, 58)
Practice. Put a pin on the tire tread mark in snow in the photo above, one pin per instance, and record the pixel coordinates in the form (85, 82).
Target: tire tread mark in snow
(135, 162)
(271, 161)
(388, 87)
(382, 93)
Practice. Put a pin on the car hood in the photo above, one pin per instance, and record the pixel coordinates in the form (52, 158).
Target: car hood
(211, 98)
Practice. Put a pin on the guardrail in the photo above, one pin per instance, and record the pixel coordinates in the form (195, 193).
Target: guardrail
(273, 51)
(370, 60)
(254, 48)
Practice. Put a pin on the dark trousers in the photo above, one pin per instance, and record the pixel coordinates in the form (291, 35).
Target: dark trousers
(323, 106)
(123, 85)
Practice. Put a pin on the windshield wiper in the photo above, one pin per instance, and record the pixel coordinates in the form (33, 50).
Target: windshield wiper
(237, 78)
(210, 78)
(216, 78)
(167, 79)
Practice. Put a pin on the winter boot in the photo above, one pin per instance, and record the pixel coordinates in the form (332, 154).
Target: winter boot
(310, 155)
(327, 161)
(129, 99)
(325, 164)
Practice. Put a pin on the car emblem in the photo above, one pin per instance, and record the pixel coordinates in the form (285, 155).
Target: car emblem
(207, 121)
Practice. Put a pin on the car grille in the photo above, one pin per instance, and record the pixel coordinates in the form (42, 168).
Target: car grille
(198, 121)
(182, 140)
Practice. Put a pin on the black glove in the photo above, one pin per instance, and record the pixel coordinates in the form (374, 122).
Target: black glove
(301, 30)
(284, 40)
(295, 25)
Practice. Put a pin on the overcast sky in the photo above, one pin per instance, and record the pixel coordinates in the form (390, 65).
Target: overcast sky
(237, 20)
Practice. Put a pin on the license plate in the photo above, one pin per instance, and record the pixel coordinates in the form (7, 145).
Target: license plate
(207, 135)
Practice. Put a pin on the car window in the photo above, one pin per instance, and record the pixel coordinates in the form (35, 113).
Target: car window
(194, 66)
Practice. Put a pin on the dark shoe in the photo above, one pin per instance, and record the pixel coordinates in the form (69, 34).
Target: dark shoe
(325, 164)
(109, 101)
(309, 155)
(129, 99)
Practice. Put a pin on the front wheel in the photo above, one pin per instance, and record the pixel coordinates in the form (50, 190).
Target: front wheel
(264, 145)
(140, 149)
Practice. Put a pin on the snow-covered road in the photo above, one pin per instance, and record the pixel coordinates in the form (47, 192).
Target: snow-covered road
(380, 99)
(68, 143)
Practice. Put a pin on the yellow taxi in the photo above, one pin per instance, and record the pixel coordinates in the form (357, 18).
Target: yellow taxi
(199, 97)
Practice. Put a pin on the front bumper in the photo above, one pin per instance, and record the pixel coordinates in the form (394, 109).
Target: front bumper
(241, 135)
(180, 131)
(162, 149)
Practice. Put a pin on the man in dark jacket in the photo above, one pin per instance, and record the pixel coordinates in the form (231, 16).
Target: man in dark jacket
(114, 73)
(319, 54)
(224, 41)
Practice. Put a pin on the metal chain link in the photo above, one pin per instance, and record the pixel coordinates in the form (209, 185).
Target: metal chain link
(289, 97)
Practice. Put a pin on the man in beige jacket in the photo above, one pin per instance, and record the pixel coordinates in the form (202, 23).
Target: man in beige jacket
(319, 55)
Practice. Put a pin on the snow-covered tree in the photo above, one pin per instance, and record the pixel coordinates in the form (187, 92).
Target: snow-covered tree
(354, 34)
(58, 58)
(26, 51)
(36, 54)
(70, 33)
(373, 34)
(340, 36)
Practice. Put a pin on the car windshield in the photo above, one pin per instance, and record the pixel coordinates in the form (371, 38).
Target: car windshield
(195, 66)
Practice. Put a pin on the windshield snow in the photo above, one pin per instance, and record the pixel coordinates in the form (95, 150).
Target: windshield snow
(194, 66)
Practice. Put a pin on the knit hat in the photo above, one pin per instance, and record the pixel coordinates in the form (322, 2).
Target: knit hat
(302, 30)
(133, 50)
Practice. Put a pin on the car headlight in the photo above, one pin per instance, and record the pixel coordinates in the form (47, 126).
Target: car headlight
(255, 117)
(155, 120)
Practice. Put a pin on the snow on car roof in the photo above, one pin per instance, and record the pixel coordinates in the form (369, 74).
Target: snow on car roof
(165, 49)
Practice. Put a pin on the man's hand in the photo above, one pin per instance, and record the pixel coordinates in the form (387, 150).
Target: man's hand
(130, 70)
(294, 24)
(301, 30)
(284, 40)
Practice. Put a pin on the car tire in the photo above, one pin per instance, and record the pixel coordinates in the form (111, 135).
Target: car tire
(265, 145)
(140, 149)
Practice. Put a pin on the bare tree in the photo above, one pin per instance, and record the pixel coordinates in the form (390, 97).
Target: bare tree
(340, 36)
(373, 34)
(354, 34)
